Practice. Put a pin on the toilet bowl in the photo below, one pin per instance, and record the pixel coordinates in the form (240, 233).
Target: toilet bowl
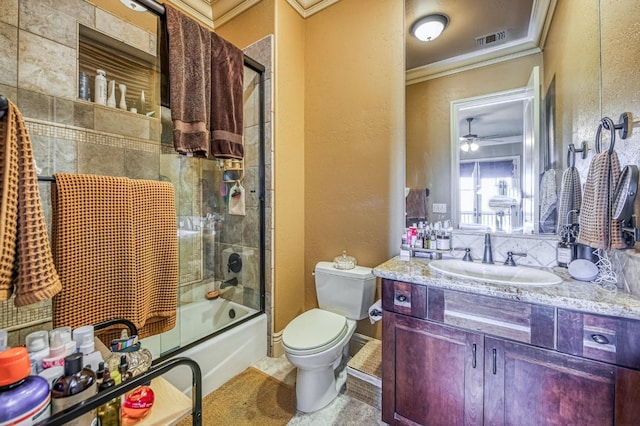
(317, 341)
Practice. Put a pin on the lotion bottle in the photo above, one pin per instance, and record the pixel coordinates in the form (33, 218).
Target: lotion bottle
(100, 92)
(38, 347)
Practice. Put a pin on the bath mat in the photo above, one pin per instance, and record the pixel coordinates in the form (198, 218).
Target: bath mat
(250, 398)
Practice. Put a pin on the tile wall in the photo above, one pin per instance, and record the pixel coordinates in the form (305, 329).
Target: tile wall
(39, 74)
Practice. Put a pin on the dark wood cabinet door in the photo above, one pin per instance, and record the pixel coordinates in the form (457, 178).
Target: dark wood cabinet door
(531, 386)
(437, 374)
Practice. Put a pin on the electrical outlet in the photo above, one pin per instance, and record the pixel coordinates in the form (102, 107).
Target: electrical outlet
(439, 208)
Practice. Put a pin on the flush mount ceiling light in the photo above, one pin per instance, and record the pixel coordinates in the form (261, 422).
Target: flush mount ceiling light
(131, 4)
(429, 27)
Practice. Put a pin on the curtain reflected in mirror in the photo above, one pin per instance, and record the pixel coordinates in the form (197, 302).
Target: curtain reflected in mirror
(490, 194)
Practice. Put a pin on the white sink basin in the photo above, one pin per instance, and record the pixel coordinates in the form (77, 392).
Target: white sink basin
(518, 275)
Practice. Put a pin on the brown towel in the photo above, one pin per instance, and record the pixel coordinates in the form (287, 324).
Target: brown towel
(416, 204)
(115, 246)
(597, 227)
(189, 83)
(227, 76)
(26, 263)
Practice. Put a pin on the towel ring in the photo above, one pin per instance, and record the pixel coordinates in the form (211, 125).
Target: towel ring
(608, 124)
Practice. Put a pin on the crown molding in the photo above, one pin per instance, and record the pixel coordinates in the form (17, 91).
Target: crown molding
(199, 9)
(226, 10)
(307, 8)
(539, 22)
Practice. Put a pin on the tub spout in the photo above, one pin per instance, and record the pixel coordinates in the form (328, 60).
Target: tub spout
(232, 282)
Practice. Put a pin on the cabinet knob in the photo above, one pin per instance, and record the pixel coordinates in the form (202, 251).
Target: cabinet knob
(600, 339)
(401, 298)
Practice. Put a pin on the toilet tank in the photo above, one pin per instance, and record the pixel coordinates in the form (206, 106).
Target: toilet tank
(347, 292)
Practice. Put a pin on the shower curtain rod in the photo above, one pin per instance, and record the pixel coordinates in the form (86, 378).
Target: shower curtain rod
(159, 10)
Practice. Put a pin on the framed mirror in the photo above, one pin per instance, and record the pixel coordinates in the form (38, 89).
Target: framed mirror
(495, 141)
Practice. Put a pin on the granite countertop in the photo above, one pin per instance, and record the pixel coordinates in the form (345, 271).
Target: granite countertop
(570, 294)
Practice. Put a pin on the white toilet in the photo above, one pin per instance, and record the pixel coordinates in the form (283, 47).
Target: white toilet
(317, 341)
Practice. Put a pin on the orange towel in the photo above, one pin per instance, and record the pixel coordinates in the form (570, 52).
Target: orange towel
(26, 264)
(116, 249)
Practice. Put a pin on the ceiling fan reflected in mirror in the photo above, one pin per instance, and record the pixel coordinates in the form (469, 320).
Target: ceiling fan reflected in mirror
(469, 142)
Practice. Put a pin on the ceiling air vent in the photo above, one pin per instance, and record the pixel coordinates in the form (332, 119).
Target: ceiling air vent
(489, 39)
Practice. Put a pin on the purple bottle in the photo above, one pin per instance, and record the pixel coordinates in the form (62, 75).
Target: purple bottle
(24, 399)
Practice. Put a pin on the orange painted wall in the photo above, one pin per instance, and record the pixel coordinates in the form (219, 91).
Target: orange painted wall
(289, 165)
(354, 135)
(338, 139)
(250, 26)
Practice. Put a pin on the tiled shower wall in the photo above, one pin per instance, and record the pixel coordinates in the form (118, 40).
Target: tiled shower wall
(38, 72)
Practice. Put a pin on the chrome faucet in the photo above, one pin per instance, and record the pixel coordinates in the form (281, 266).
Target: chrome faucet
(488, 256)
(509, 261)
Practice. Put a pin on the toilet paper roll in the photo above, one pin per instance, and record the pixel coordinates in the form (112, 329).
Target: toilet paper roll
(375, 312)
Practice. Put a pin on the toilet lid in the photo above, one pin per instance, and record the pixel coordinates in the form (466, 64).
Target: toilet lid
(313, 329)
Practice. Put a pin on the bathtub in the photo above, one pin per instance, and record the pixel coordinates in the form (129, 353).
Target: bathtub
(222, 356)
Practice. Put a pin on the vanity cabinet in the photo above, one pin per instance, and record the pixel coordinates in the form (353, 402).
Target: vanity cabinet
(472, 360)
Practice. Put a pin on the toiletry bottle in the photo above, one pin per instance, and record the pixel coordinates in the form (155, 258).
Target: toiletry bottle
(3, 339)
(123, 368)
(75, 386)
(83, 86)
(142, 107)
(137, 405)
(57, 351)
(564, 253)
(65, 332)
(109, 413)
(38, 347)
(24, 399)
(100, 86)
(86, 346)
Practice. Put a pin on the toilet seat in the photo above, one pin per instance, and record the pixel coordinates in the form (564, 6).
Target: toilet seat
(313, 332)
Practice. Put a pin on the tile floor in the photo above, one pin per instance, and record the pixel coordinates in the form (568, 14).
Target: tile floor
(343, 411)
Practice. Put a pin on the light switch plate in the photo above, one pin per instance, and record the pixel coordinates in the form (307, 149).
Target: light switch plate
(439, 208)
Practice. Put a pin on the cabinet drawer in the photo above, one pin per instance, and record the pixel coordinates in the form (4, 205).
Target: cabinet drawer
(612, 340)
(404, 298)
(523, 322)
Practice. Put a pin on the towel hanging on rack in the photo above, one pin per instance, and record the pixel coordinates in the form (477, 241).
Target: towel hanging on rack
(548, 200)
(416, 203)
(598, 229)
(26, 264)
(570, 200)
(115, 246)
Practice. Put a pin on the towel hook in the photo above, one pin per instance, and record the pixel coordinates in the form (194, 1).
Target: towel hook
(571, 159)
(608, 124)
